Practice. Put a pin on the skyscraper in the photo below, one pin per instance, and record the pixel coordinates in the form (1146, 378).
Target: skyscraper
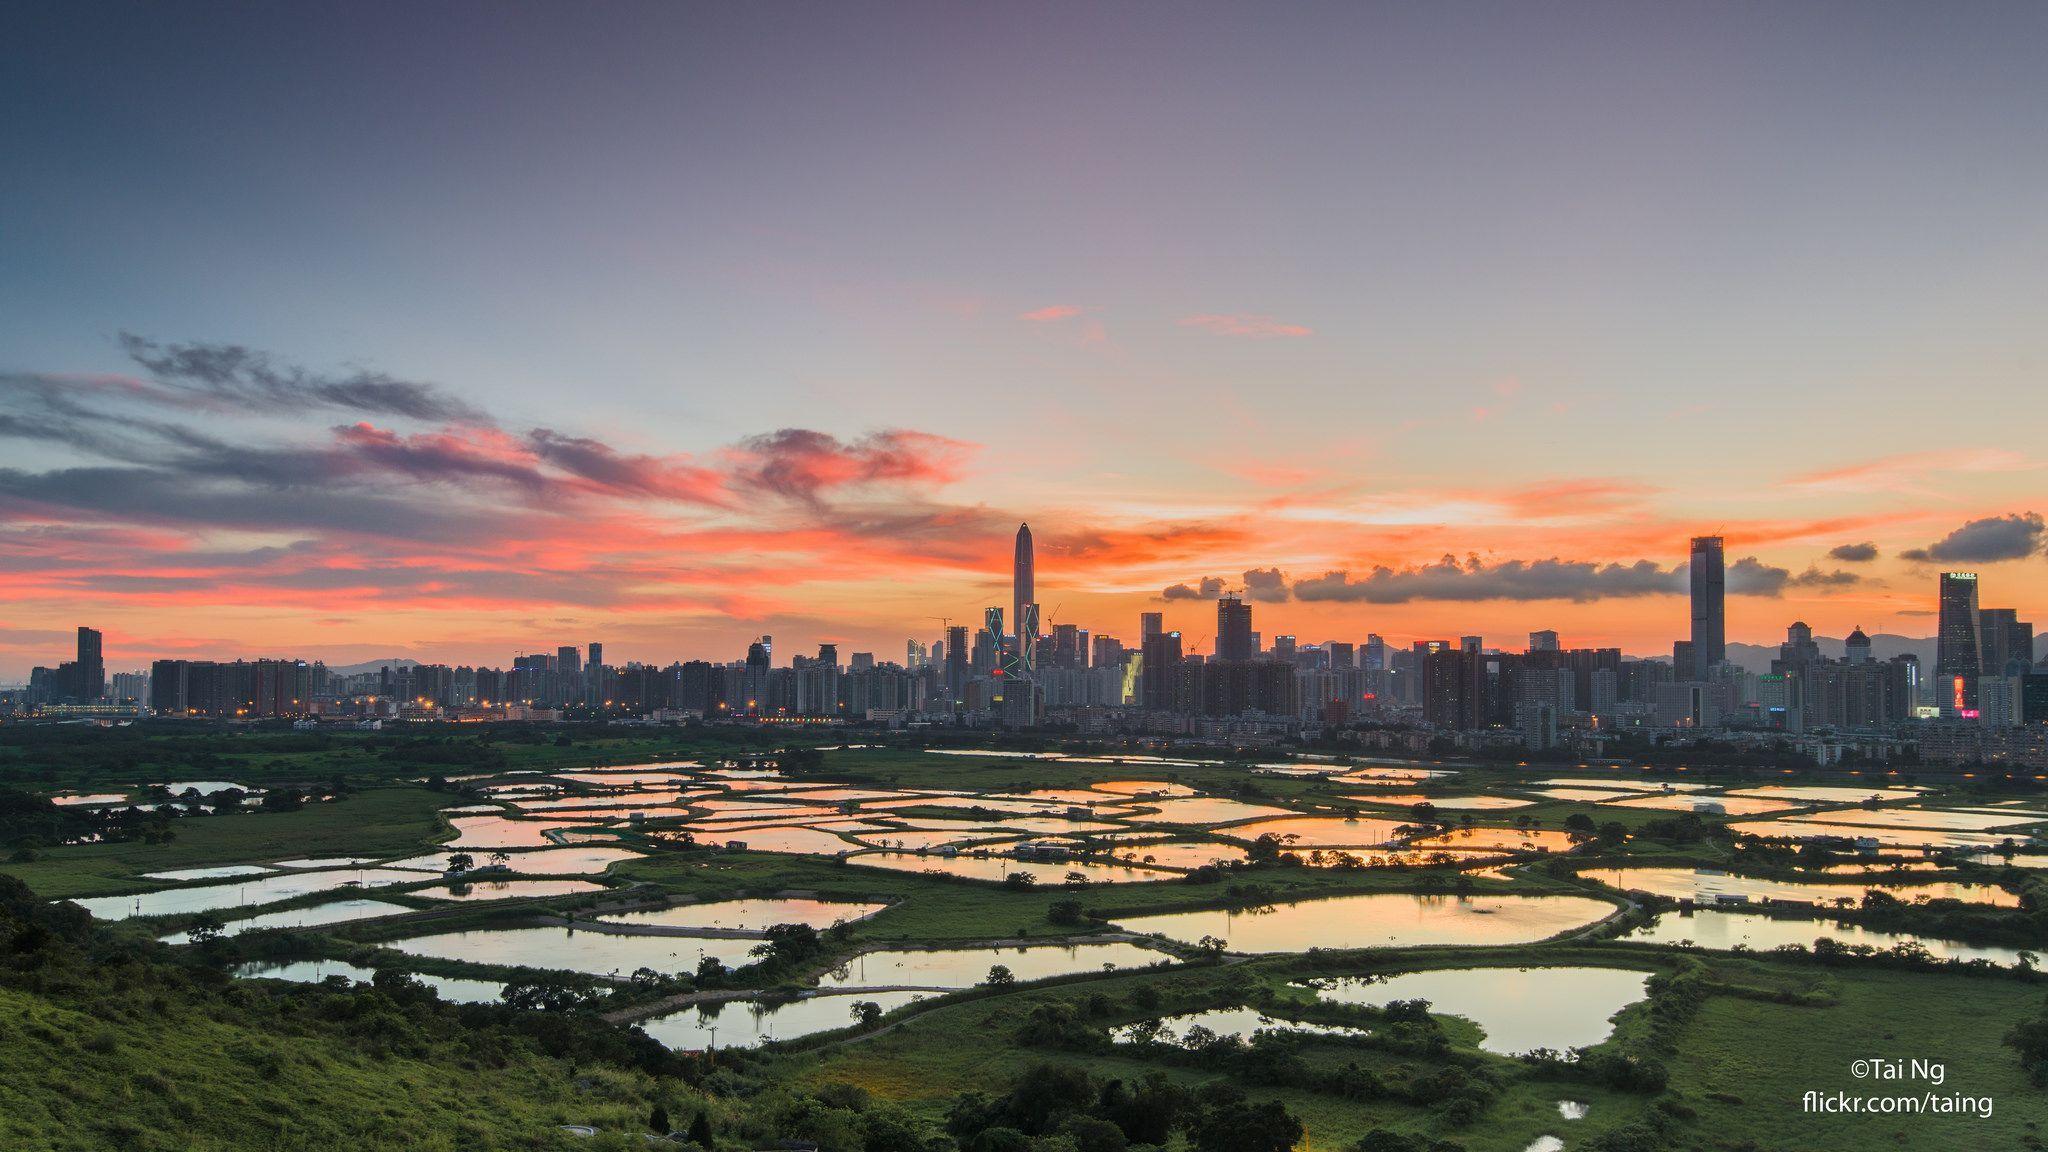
(956, 664)
(92, 666)
(1544, 641)
(1022, 590)
(1709, 608)
(1233, 629)
(1150, 624)
(1957, 659)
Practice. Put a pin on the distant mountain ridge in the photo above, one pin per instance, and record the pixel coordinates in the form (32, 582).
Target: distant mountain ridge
(1883, 646)
(370, 666)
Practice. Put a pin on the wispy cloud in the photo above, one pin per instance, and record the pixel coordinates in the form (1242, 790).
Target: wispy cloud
(1245, 326)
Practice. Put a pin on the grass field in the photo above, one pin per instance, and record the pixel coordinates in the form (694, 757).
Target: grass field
(374, 822)
(161, 1076)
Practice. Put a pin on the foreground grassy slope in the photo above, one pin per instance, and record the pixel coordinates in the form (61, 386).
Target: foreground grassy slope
(130, 1076)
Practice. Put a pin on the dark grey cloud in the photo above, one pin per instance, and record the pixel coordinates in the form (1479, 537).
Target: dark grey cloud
(1266, 585)
(1813, 577)
(1208, 588)
(1862, 553)
(1473, 579)
(158, 497)
(243, 378)
(1987, 541)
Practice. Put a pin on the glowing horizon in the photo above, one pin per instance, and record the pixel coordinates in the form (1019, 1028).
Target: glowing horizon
(670, 326)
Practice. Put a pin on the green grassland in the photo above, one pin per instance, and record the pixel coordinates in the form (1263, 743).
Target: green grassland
(383, 822)
(143, 1073)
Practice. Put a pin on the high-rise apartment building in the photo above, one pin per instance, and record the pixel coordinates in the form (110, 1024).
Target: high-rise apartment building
(1233, 629)
(1709, 579)
(1958, 661)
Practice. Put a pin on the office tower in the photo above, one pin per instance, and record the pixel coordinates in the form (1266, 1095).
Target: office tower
(1233, 629)
(92, 666)
(828, 654)
(1160, 656)
(1107, 652)
(1375, 652)
(1150, 624)
(1069, 646)
(1022, 580)
(754, 683)
(1709, 607)
(1342, 657)
(1284, 648)
(596, 656)
(2006, 642)
(1682, 660)
(1957, 660)
(1857, 648)
(1471, 643)
(1544, 641)
(956, 664)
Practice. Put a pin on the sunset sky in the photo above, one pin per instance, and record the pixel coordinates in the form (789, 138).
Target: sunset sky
(456, 331)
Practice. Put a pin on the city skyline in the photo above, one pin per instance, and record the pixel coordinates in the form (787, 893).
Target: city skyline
(799, 327)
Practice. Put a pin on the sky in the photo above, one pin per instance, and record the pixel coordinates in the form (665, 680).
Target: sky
(458, 331)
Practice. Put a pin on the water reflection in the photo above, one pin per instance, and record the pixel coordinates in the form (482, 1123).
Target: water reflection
(1518, 1009)
(1380, 920)
(750, 915)
(596, 953)
(1724, 930)
(965, 967)
(745, 1024)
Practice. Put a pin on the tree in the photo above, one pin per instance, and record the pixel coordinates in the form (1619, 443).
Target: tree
(867, 1013)
(205, 929)
(1068, 913)
(700, 1131)
(1019, 882)
(501, 858)
(788, 943)
(1577, 822)
(461, 862)
(1000, 976)
(657, 1121)
(1239, 1126)
(1076, 880)
(711, 972)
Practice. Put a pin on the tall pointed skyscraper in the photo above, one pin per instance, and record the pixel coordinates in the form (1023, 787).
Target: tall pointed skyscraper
(1709, 608)
(1021, 590)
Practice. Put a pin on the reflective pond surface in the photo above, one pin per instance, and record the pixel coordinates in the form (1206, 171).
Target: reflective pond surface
(1235, 1022)
(966, 967)
(1890, 837)
(222, 872)
(597, 953)
(1705, 885)
(451, 988)
(998, 867)
(256, 890)
(1379, 920)
(1519, 1009)
(335, 912)
(1724, 930)
(1321, 831)
(750, 915)
(509, 889)
(746, 1023)
(542, 862)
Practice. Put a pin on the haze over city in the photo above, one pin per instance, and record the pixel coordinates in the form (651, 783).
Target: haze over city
(687, 325)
